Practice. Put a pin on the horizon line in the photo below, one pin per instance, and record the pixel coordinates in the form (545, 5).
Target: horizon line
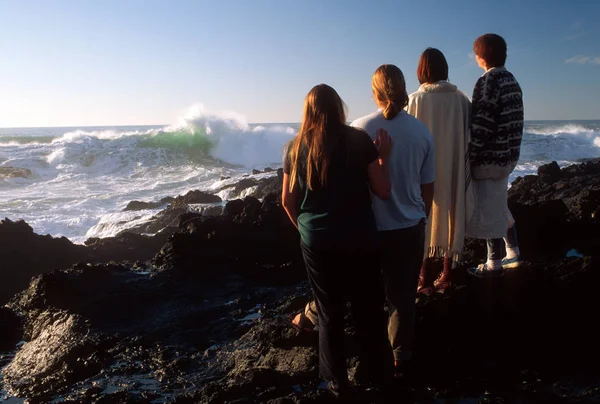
(249, 123)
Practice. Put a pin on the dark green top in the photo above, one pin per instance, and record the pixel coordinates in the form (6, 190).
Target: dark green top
(338, 216)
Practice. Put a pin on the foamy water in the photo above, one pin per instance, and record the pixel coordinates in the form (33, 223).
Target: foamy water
(82, 178)
(566, 142)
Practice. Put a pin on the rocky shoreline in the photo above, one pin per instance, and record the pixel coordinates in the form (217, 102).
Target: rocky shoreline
(199, 312)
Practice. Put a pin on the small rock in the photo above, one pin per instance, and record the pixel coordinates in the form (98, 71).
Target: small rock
(549, 173)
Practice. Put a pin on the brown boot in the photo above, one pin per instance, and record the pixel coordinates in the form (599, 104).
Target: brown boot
(443, 281)
(426, 278)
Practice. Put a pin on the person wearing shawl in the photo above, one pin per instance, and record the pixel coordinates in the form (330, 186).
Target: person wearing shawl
(445, 110)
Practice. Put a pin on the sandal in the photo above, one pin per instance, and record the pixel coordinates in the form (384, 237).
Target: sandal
(301, 323)
(481, 271)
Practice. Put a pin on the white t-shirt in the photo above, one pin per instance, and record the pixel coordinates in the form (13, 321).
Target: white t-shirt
(412, 163)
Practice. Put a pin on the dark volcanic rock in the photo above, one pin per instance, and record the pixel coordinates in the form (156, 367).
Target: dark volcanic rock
(252, 238)
(241, 185)
(127, 246)
(263, 186)
(166, 220)
(195, 197)
(497, 336)
(139, 205)
(268, 186)
(557, 213)
(208, 320)
(578, 186)
(11, 329)
(549, 173)
(24, 254)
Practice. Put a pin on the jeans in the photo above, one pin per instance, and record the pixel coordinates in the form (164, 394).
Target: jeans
(337, 277)
(402, 256)
(494, 245)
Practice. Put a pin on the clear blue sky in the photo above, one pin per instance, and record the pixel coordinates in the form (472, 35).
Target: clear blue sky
(111, 62)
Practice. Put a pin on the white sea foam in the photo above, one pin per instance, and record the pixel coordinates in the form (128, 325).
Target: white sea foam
(82, 179)
(561, 129)
(112, 224)
(233, 141)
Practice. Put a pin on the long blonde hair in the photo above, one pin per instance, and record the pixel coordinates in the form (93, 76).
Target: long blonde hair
(389, 90)
(323, 117)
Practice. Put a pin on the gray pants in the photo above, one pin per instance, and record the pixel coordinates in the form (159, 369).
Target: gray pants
(402, 255)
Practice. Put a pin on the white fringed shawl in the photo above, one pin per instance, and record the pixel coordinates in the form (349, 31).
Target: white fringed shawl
(446, 111)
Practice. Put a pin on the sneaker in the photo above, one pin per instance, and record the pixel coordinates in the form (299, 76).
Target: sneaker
(334, 389)
(511, 263)
(481, 271)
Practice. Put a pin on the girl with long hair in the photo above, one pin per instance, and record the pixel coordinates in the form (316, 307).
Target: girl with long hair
(329, 171)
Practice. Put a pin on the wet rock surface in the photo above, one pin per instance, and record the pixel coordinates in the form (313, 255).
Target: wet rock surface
(141, 205)
(14, 172)
(206, 319)
(558, 213)
(258, 187)
(24, 254)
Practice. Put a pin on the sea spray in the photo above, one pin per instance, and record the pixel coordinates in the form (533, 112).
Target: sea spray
(82, 178)
(232, 140)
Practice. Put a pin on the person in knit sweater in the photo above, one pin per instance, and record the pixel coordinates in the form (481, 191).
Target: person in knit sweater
(446, 111)
(496, 133)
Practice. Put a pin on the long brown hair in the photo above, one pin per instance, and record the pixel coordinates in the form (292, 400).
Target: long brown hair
(389, 90)
(323, 117)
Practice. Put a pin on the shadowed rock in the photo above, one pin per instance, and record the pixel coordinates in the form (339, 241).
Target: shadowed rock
(139, 205)
(24, 254)
(207, 320)
(195, 197)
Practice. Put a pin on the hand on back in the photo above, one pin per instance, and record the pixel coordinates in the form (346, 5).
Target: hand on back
(383, 144)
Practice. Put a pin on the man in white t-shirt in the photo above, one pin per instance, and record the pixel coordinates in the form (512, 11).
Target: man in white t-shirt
(401, 219)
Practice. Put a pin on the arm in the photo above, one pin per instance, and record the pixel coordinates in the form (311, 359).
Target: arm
(289, 200)
(379, 179)
(427, 195)
(378, 171)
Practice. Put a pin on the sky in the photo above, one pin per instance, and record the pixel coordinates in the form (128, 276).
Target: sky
(144, 62)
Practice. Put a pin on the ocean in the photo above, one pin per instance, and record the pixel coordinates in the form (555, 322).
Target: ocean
(75, 182)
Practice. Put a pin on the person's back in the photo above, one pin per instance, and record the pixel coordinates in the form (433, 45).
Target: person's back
(401, 219)
(498, 110)
(324, 212)
(408, 168)
(496, 133)
(445, 110)
(328, 171)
